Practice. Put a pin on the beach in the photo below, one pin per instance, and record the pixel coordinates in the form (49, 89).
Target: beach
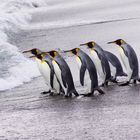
(26, 114)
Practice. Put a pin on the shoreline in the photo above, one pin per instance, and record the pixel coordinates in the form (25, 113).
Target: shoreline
(26, 114)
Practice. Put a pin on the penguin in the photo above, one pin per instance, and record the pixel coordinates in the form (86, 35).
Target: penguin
(129, 59)
(101, 63)
(63, 73)
(44, 63)
(115, 66)
(85, 63)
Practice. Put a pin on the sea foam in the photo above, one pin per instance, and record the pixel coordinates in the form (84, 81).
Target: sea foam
(15, 69)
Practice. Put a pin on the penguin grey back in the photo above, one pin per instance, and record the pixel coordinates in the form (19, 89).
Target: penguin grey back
(133, 60)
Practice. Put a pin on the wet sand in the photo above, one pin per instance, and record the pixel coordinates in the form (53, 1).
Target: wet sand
(26, 114)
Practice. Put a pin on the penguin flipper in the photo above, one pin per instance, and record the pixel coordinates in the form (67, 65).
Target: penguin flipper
(82, 73)
(51, 78)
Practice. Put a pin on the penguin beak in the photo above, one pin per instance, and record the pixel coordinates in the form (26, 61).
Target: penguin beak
(111, 42)
(26, 51)
(66, 51)
(83, 44)
(32, 56)
(70, 54)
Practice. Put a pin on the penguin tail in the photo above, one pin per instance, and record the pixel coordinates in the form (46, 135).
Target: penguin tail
(62, 90)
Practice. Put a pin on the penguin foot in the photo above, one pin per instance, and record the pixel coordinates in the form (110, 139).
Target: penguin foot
(114, 80)
(100, 91)
(66, 96)
(70, 94)
(106, 83)
(46, 92)
(135, 81)
(62, 91)
(124, 84)
(51, 94)
(76, 93)
(103, 85)
(138, 80)
(88, 95)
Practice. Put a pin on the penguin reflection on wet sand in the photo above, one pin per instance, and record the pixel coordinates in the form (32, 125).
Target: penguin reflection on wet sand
(63, 73)
(85, 63)
(46, 69)
(100, 61)
(129, 59)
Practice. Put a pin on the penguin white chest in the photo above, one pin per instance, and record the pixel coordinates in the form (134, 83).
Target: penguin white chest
(78, 61)
(125, 61)
(46, 71)
(98, 65)
(58, 73)
(38, 61)
(113, 70)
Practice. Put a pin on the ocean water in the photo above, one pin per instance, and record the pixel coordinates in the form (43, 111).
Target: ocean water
(42, 14)
(15, 69)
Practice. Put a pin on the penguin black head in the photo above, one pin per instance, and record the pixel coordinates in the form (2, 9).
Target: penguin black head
(53, 53)
(118, 42)
(39, 56)
(34, 51)
(90, 44)
(74, 51)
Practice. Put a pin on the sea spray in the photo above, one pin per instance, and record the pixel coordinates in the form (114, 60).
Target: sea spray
(15, 69)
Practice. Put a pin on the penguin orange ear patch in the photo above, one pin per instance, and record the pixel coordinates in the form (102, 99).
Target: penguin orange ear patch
(53, 61)
(37, 51)
(121, 41)
(42, 55)
(42, 61)
(55, 53)
(93, 43)
(77, 49)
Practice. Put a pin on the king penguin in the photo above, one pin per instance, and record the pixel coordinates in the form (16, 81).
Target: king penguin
(101, 63)
(85, 63)
(63, 73)
(129, 59)
(44, 63)
(115, 66)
